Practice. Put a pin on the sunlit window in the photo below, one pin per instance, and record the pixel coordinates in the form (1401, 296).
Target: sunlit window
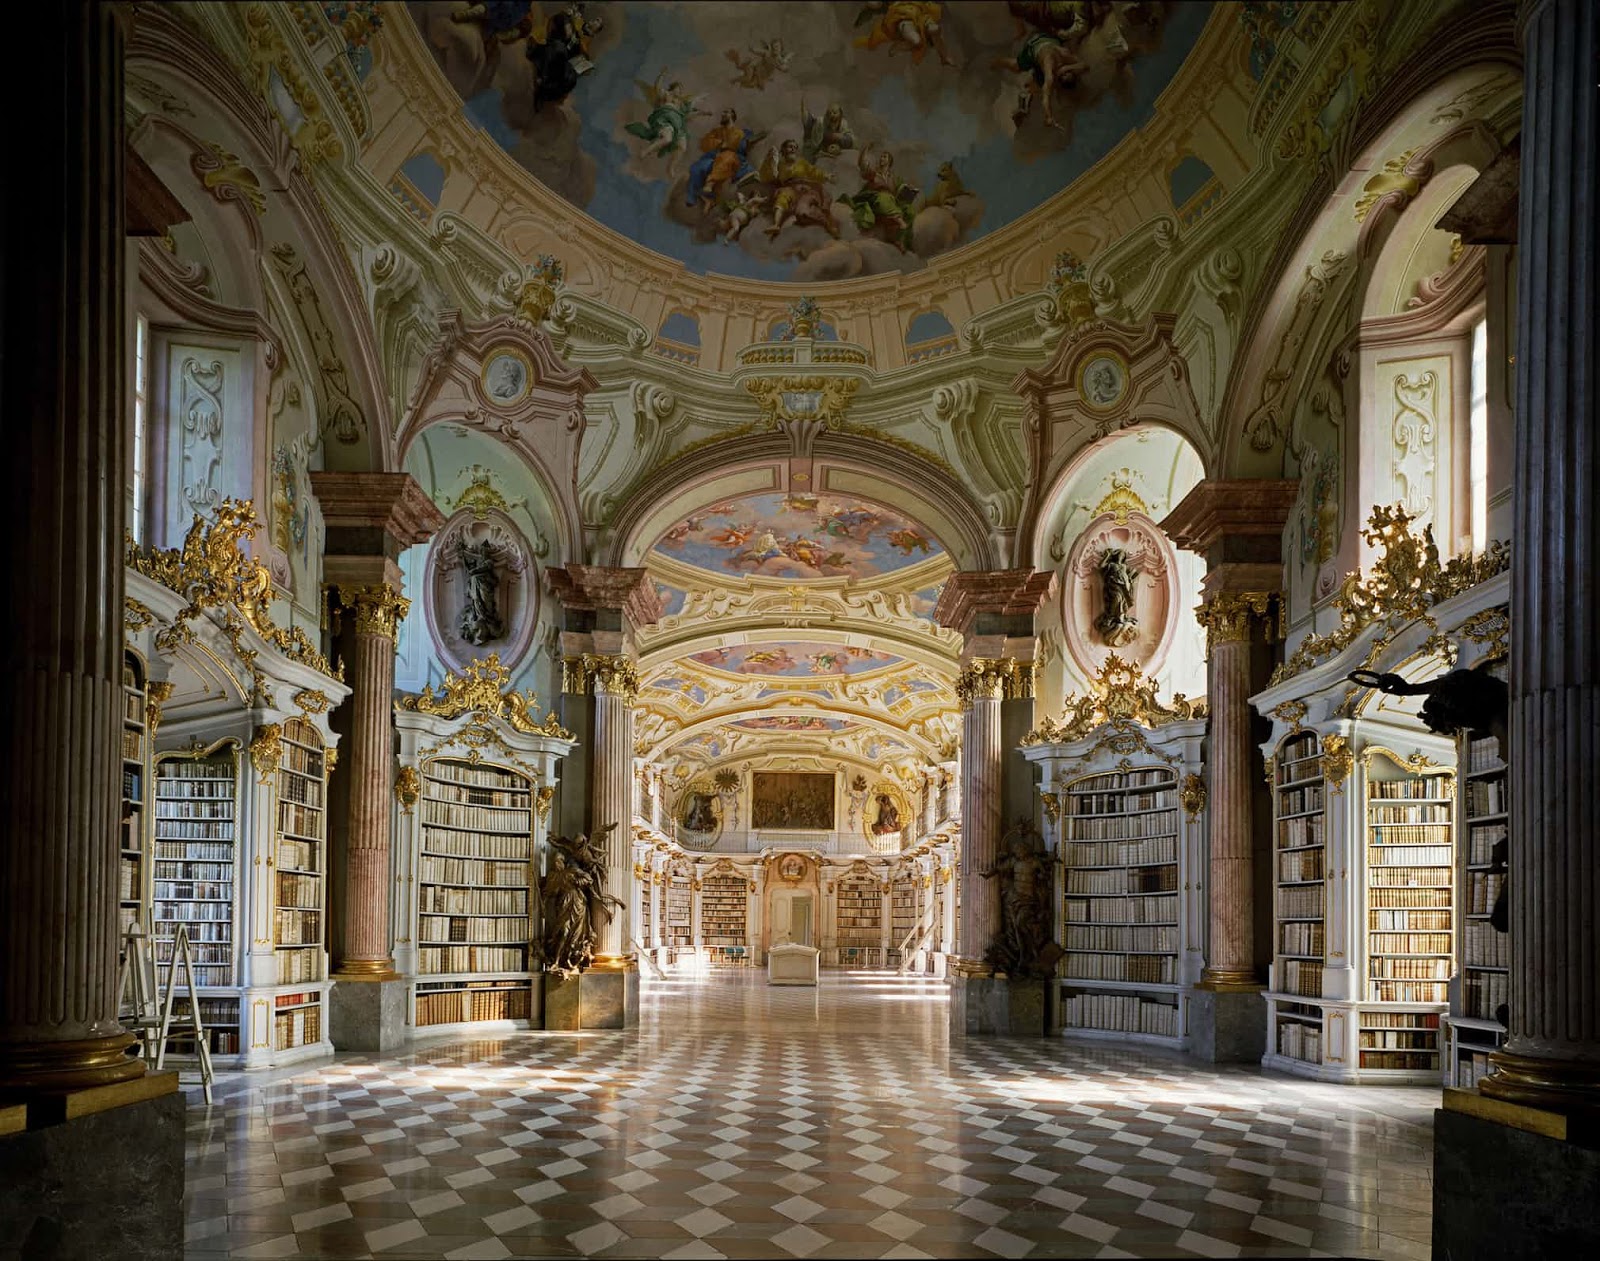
(1478, 457)
(141, 404)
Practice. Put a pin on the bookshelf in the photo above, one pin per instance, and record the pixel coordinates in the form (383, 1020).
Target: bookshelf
(1121, 916)
(1299, 897)
(723, 910)
(133, 872)
(196, 880)
(474, 887)
(1410, 945)
(902, 907)
(1480, 990)
(680, 930)
(299, 888)
(860, 913)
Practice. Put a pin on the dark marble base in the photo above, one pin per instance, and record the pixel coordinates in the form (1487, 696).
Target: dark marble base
(367, 1015)
(1003, 1006)
(1227, 1026)
(109, 1184)
(1501, 1193)
(592, 1000)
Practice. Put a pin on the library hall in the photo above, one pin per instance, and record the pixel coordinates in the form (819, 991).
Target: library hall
(697, 672)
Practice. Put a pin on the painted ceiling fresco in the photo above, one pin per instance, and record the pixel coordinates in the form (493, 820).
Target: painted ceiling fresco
(798, 660)
(795, 723)
(798, 536)
(808, 141)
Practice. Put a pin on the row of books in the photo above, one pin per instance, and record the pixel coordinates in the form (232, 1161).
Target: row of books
(1300, 800)
(477, 818)
(1390, 991)
(1399, 895)
(1132, 910)
(1471, 1069)
(1419, 789)
(1401, 1061)
(1306, 830)
(299, 855)
(1389, 968)
(302, 791)
(169, 870)
(302, 821)
(1122, 937)
(1483, 890)
(1117, 803)
(1157, 969)
(1419, 943)
(132, 745)
(1121, 853)
(300, 760)
(469, 795)
(1483, 993)
(169, 788)
(1484, 947)
(304, 892)
(1486, 796)
(1301, 902)
(1481, 840)
(1155, 879)
(1122, 1013)
(457, 1005)
(475, 871)
(1408, 921)
(1297, 976)
(133, 705)
(472, 901)
(128, 880)
(1388, 846)
(1407, 876)
(1399, 1019)
(132, 784)
(217, 930)
(1124, 827)
(194, 890)
(297, 1028)
(1434, 812)
(446, 930)
(436, 840)
(1398, 1040)
(296, 967)
(192, 912)
(178, 830)
(1483, 755)
(1300, 1041)
(435, 959)
(1300, 939)
(297, 928)
(189, 769)
(477, 776)
(1302, 864)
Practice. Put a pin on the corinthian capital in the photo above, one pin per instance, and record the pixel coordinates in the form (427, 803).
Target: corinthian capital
(1230, 617)
(379, 608)
(985, 678)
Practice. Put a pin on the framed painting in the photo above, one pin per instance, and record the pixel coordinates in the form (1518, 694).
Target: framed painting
(802, 800)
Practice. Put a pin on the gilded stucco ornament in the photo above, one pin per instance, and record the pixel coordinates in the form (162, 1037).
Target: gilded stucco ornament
(484, 687)
(1491, 627)
(1407, 580)
(1192, 795)
(1052, 805)
(542, 801)
(136, 616)
(825, 399)
(538, 293)
(266, 751)
(228, 179)
(1337, 761)
(330, 760)
(269, 53)
(407, 787)
(378, 607)
(309, 701)
(1122, 501)
(985, 678)
(1229, 617)
(1293, 713)
(156, 695)
(1120, 695)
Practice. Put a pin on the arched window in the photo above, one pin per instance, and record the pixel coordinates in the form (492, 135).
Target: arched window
(929, 335)
(678, 338)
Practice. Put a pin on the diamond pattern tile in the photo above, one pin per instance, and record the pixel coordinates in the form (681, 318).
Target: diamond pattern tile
(744, 1121)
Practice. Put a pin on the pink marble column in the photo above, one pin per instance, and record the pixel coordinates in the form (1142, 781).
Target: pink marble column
(377, 610)
(615, 685)
(982, 763)
(1552, 1056)
(61, 406)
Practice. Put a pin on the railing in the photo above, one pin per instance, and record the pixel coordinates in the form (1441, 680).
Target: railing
(917, 938)
(753, 842)
(648, 959)
(852, 957)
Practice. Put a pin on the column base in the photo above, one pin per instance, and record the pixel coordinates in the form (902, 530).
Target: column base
(1227, 1026)
(97, 1184)
(367, 1015)
(606, 999)
(1000, 1006)
(1510, 1184)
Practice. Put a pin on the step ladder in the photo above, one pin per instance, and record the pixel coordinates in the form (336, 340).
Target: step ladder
(155, 1018)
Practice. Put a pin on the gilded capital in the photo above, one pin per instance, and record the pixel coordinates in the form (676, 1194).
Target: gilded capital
(379, 608)
(1229, 617)
(985, 678)
(602, 675)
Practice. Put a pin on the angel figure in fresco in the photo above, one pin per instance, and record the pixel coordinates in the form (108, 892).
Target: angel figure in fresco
(913, 26)
(667, 125)
(1048, 58)
(767, 58)
(908, 541)
(724, 159)
(854, 523)
(562, 55)
(824, 136)
(798, 194)
(748, 206)
(730, 536)
(882, 207)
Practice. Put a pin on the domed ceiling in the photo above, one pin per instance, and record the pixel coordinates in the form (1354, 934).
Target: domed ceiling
(808, 141)
(797, 536)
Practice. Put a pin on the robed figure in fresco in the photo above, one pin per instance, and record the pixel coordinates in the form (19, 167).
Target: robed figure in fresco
(724, 159)
(574, 903)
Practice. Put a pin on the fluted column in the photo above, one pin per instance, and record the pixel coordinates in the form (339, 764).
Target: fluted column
(1552, 1055)
(980, 688)
(377, 611)
(1231, 620)
(61, 408)
(615, 684)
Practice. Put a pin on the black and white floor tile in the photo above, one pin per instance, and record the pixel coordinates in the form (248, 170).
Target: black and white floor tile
(740, 1121)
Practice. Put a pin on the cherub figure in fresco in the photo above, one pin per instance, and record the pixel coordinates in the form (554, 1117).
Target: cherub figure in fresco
(807, 552)
(768, 661)
(827, 135)
(907, 541)
(680, 533)
(767, 58)
(799, 195)
(562, 55)
(827, 662)
(882, 207)
(748, 206)
(730, 536)
(667, 125)
(724, 159)
(912, 26)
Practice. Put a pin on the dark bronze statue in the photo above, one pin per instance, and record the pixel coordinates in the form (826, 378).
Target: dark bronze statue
(1025, 945)
(574, 902)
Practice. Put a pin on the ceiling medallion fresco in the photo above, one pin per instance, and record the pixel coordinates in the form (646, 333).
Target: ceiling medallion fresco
(808, 141)
(798, 536)
(798, 660)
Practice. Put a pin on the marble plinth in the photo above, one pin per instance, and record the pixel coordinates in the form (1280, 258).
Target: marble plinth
(1503, 1193)
(109, 1184)
(1002, 1006)
(601, 999)
(367, 1015)
(792, 964)
(1227, 1026)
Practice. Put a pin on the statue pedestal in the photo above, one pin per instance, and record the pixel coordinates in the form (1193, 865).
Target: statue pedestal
(601, 998)
(792, 964)
(1002, 1006)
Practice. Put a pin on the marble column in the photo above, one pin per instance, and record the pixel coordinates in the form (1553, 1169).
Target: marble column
(615, 685)
(1552, 1054)
(370, 519)
(65, 442)
(980, 689)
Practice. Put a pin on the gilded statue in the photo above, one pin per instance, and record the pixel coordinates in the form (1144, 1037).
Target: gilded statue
(1117, 624)
(574, 902)
(1025, 945)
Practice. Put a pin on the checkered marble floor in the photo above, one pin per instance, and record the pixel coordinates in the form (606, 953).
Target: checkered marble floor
(740, 1120)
